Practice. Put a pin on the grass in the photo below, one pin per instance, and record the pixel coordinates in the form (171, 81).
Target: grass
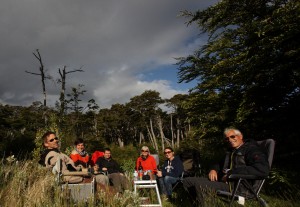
(25, 184)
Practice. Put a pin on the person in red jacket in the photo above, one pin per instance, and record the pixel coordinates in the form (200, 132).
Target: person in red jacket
(146, 160)
(79, 155)
(82, 158)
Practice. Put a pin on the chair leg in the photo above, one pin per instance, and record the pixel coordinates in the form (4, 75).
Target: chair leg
(234, 192)
(262, 202)
(175, 185)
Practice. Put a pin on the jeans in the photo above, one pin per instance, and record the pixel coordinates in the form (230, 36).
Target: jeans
(165, 184)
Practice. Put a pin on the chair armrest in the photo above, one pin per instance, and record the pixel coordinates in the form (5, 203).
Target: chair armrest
(77, 173)
(244, 176)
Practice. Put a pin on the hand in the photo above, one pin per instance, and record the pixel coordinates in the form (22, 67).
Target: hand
(213, 175)
(104, 169)
(159, 173)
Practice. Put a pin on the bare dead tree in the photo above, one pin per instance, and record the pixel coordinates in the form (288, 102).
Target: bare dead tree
(63, 74)
(42, 74)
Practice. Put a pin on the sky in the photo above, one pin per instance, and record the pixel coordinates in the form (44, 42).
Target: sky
(124, 48)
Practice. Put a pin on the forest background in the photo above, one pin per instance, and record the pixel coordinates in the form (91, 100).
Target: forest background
(247, 75)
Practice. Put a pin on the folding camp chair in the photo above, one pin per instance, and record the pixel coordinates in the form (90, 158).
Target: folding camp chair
(79, 191)
(191, 165)
(251, 182)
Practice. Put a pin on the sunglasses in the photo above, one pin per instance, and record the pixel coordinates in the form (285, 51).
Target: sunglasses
(144, 151)
(167, 152)
(51, 140)
(230, 137)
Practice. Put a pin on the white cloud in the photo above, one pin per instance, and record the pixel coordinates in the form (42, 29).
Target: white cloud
(119, 87)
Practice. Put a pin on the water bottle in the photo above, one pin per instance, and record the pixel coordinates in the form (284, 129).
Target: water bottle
(135, 175)
(140, 172)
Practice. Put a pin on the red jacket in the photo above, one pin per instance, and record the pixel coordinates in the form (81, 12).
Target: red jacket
(95, 156)
(148, 164)
(80, 160)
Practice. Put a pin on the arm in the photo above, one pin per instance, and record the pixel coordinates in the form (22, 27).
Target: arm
(163, 170)
(79, 160)
(153, 165)
(179, 168)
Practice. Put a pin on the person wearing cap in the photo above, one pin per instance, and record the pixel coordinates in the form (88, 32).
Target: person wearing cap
(147, 161)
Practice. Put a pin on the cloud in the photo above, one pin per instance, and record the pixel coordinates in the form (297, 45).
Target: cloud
(119, 91)
(114, 42)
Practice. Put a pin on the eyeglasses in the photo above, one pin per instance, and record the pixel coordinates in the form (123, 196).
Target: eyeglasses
(230, 137)
(51, 140)
(167, 152)
(144, 151)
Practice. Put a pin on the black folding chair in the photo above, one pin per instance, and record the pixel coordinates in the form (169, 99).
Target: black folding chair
(191, 164)
(251, 182)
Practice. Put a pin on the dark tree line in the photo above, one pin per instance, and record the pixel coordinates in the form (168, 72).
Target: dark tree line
(137, 122)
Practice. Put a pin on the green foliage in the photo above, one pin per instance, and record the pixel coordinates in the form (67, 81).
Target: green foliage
(126, 156)
(247, 72)
(281, 183)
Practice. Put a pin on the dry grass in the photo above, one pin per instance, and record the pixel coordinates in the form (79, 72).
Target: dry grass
(26, 184)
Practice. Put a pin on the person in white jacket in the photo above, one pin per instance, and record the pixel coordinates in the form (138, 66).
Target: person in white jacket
(51, 155)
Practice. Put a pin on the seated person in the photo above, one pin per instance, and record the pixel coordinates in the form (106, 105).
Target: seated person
(170, 173)
(147, 162)
(79, 155)
(112, 168)
(51, 154)
(81, 158)
(245, 158)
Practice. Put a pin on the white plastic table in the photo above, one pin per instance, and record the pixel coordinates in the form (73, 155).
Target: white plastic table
(148, 184)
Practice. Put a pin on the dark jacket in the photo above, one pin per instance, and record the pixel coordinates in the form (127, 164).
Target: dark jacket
(247, 159)
(111, 165)
(175, 168)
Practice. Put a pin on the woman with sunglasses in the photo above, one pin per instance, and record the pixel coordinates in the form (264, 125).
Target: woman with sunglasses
(170, 173)
(146, 161)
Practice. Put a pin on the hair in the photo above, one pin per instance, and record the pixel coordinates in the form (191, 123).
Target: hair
(107, 149)
(146, 149)
(170, 148)
(45, 136)
(236, 131)
(78, 141)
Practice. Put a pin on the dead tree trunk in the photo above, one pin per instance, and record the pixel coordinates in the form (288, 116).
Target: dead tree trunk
(162, 135)
(42, 74)
(63, 75)
(171, 127)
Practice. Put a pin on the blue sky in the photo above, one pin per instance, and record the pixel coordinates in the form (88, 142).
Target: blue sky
(124, 47)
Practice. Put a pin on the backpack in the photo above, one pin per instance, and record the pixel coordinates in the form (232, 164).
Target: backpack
(95, 157)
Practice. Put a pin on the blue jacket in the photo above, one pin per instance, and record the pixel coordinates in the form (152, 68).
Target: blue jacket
(172, 168)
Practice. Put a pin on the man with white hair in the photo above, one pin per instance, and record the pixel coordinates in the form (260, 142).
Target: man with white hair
(245, 157)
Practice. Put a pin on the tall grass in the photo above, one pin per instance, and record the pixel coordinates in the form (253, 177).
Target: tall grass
(26, 184)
